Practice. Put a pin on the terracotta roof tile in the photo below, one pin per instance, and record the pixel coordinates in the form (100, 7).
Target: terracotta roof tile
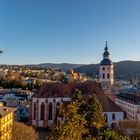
(53, 90)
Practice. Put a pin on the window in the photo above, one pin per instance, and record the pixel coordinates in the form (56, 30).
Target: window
(50, 111)
(108, 76)
(34, 111)
(42, 111)
(57, 110)
(106, 118)
(103, 68)
(103, 76)
(113, 116)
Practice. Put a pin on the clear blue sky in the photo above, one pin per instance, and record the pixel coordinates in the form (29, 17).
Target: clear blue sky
(72, 31)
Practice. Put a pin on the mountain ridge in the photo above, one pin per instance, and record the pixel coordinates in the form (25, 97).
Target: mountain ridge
(123, 69)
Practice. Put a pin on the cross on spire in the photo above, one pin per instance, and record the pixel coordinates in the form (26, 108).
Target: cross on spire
(106, 47)
(106, 53)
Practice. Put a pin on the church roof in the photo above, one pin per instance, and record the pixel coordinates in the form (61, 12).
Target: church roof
(56, 90)
(106, 61)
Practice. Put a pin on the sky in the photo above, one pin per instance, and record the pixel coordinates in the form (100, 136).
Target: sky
(68, 31)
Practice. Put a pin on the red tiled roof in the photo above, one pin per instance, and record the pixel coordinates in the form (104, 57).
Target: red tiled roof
(54, 90)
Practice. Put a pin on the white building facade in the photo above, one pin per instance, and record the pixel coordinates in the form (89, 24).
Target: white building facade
(44, 106)
(130, 104)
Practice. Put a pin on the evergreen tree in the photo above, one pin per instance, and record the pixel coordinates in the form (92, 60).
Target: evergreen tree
(71, 127)
(82, 120)
(95, 121)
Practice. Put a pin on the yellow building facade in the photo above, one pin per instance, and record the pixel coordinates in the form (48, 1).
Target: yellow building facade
(6, 122)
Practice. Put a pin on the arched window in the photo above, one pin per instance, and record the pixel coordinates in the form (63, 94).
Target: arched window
(34, 111)
(106, 118)
(57, 110)
(50, 111)
(108, 76)
(42, 111)
(113, 116)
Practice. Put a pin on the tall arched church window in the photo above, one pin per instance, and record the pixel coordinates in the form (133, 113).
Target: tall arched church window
(42, 111)
(113, 116)
(34, 111)
(57, 110)
(106, 118)
(50, 111)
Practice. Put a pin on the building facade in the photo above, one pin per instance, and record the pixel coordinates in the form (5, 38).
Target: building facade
(106, 69)
(106, 74)
(6, 122)
(44, 105)
(130, 104)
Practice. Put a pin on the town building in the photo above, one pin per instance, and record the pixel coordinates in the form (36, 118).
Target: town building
(106, 74)
(44, 105)
(130, 103)
(43, 110)
(106, 69)
(6, 122)
(19, 100)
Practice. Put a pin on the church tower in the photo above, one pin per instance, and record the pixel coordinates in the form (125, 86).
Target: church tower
(106, 71)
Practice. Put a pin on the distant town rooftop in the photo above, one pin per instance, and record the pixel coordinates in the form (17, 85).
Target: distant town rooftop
(4, 111)
(131, 98)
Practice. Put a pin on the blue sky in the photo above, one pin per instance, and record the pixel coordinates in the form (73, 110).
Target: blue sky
(72, 31)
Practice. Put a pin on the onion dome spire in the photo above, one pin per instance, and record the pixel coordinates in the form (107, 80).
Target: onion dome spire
(106, 47)
(106, 60)
(106, 53)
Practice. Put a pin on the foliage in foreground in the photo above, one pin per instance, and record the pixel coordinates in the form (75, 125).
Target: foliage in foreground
(82, 120)
(23, 132)
(130, 128)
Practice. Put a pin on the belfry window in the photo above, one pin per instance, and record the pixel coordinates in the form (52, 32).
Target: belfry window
(108, 76)
(103, 76)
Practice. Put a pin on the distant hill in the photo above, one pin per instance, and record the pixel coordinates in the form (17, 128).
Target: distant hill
(62, 66)
(123, 69)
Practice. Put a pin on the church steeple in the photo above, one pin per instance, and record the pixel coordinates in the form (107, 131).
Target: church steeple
(106, 53)
(106, 59)
(106, 47)
(106, 69)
